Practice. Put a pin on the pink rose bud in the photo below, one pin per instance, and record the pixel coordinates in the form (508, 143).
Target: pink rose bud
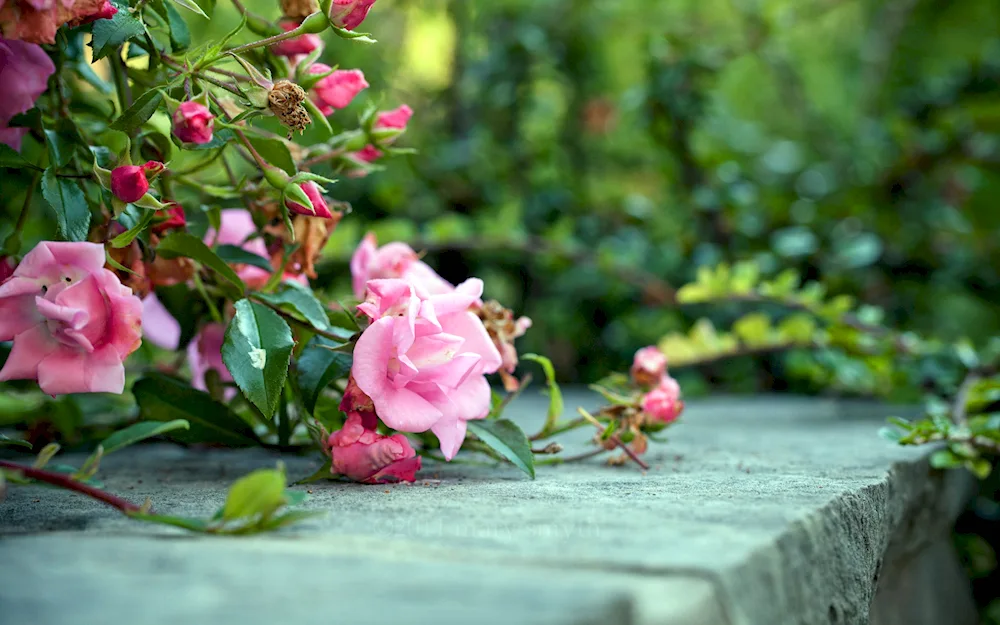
(663, 403)
(364, 455)
(129, 182)
(320, 208)
(338, 89)
(648, 366)
(396, 118)
(298, 46)
(349, 14)
(193, 122)
(173, 218)
(105, 12)
(72, 321)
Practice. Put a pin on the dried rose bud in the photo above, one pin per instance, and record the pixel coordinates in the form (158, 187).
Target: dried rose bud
(299, 9)
(285, 101)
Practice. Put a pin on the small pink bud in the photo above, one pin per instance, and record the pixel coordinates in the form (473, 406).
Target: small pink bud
(349, 14)
(320, 208)
(663, 403)
(301, 45)
(397, 118)
(129, 182)
(173, 218)
(193, 122)
(648, 366)
(105, 12)
(338, 89)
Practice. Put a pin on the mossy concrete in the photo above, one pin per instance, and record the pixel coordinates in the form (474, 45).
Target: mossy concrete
(758, 511)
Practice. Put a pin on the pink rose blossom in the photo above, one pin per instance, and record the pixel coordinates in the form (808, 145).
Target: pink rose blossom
(423, 360)
(649, 365)
(193, 122)
(129, 182)
(298, 46)
(366, 456)
(158, 326)
(24, 74)
(320, 207)
(72, 321)
(205, 353)
(349, 14)
(338, 89)
(663, 403)
(393, 260)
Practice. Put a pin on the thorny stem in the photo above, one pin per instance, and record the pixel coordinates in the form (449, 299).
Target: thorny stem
(65, 481)
(267, 41)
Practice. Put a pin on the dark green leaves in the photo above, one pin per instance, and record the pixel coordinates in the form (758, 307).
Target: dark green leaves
(139, 432)
(13, 442)
(318, 367)
(275, 152)
(257, 350)
(69, 204)
(109, 35)
(183, 244)
(234, 254)
(10, 158)
(141, 110)
(299, 301)
(124, 239)
(162, 398)
(504, 437)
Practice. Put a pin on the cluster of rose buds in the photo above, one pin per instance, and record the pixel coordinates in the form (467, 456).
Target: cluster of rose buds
(661, 401)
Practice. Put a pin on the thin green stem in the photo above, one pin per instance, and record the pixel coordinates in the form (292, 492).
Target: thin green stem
(284, 420)
(268, 41)
(212, 309)
(576, 458)
(13, 243)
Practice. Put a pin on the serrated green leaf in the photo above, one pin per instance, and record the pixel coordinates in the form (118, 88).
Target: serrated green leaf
(69, 204)
(125, 239)
(141, 431)
(299, 301)
(258, 494)
(257, 350)
(141, 110)
(235, 255)
(163, 398)
(317, 367)
(180, 35)
(110, 34)
(504, 437)
(183, 244)
(11, 158)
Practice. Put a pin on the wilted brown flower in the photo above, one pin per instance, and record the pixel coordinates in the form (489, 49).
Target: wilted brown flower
(503, 329)
(285, 101)
(299, 9)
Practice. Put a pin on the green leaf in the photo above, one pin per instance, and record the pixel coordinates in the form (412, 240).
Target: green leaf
(275, 152)
(945, 459)
(125, 239)
(299, 301)
(180, 35)
(322, 473)
(141, 431)
(141, 110)
(13, 442)
(10, 158)
(555, 395)
(258, 494)
(504, 437)
(317, 367)
(288, 518)
(236, 255)
(214, 51)
(69, 204)
(109, 35)
(183, 244)
(257, 350)
(162, 398)
(190, 6)
(60, 148)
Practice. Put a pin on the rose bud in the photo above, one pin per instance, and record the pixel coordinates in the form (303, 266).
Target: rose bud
(129, 182)
(648, 366)
(364, 455)
(320, 207)
(193, 122)
(173, 217)
(348, 14)
(105, 12)
(663, 403)
(338, 89)
(301, 45)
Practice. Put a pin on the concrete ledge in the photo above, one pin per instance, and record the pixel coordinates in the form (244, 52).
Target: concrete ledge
(761, 511)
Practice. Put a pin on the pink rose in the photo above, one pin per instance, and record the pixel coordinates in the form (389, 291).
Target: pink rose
(36, 21)
(298, 46)
(320, 208)
(349, 14)
(204, 352)
(387, 127)
(648, 366)
(24, 74)
(663, 403)
(338, 89)
(104, 12)
(423, 360)
(129, 182)
(397, 118)
(193, 123)
(393, 260)
(366, 456)
(158, 326)
(72, 321)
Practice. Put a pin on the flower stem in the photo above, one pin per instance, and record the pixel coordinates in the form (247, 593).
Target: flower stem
(13, 243)
(266, 42)
(65, 481)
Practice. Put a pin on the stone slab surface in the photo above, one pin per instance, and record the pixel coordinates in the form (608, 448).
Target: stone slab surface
(759, 511)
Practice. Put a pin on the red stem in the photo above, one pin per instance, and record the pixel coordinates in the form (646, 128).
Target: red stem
(65, 481)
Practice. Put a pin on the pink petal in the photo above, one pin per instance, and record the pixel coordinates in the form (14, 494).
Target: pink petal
(158, 325)
(52, 259)
(360, 261)
(17, 306)
(477, 340)
(30, 348)
(70, 371)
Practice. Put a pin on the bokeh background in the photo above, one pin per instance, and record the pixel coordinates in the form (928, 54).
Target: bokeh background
(585, 157)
